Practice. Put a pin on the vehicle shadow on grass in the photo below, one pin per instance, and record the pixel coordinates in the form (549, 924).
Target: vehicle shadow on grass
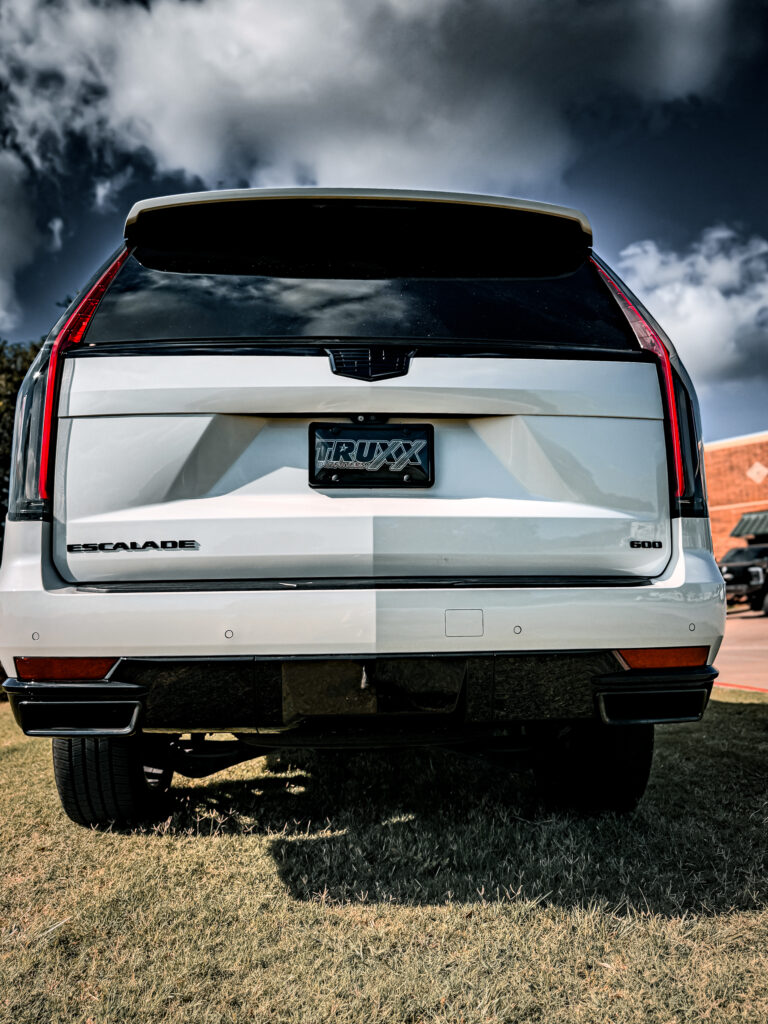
(427, 827)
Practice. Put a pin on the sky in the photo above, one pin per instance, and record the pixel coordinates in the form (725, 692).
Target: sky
(649, 115)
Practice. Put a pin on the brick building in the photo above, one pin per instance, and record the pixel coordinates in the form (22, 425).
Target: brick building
(737, 483)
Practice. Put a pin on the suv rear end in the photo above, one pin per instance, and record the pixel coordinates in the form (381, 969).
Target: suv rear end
(333, 468)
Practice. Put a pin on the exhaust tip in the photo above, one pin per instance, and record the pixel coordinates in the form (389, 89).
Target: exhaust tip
(76, 718)
(644, 707)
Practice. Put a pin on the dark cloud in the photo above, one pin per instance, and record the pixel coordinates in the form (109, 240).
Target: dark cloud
(402, 92)
(599, 104)
(19, 235)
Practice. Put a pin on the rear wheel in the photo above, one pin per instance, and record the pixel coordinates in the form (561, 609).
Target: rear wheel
(590, 767)
(111, 780)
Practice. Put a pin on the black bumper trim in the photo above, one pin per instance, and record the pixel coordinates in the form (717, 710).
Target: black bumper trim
(658, 696)
(75, 709)
(366, 583)
(183, 694)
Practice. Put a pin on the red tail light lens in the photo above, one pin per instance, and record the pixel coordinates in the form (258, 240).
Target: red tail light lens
(43, 670)
(70, 334)
(664, 657)
(650, 341)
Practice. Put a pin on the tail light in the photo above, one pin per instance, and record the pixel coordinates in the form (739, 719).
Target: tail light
(651, 342)
(664, 657)
(43, 670)
(30, 483)
(70, 334)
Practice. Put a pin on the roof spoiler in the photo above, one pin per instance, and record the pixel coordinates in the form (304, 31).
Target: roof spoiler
(316, 232)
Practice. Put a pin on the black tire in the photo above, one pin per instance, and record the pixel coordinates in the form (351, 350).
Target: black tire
(765, 605)
(111, 780)
(593, 768)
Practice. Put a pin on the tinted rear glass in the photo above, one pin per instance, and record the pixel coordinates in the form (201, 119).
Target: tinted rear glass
(356, 237)
(147, 304)
(749, 554)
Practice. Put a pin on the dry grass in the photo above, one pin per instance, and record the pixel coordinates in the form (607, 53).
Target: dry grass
(401, 888)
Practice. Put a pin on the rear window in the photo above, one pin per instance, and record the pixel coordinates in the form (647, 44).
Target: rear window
(749, 554)
(146, 303)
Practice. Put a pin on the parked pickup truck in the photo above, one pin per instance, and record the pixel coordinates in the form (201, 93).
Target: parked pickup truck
(341, 468)
(745, 571)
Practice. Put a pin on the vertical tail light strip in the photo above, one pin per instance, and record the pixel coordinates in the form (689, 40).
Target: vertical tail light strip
(650, 341)
(70, 334)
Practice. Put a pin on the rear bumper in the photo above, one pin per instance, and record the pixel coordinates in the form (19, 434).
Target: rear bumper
(40, 615)
(425, 695)
(536, 642)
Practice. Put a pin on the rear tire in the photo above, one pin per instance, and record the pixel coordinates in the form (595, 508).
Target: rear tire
(111, 780)
(592, 768)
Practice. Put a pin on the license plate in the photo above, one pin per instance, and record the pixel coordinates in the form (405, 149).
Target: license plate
(381, 455)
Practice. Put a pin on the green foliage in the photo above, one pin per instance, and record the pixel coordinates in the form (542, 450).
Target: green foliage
(14, 363)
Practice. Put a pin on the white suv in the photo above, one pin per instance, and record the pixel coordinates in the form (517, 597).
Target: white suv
(333, 468)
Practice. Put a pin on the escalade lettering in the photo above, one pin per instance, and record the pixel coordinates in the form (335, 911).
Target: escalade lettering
(148, 545)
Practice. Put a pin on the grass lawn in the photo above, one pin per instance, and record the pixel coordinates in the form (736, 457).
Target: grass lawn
(405, 888)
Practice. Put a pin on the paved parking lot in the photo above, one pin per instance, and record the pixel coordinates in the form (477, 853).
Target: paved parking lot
(743, 658)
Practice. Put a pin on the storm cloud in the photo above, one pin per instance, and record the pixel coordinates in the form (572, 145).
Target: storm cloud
(19, 235)
(412, 93)
(477, 96)
(438, 93)
(712, 300)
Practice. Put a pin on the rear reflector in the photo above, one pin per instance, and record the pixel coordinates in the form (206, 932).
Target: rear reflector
(64, 669)
(664, 657)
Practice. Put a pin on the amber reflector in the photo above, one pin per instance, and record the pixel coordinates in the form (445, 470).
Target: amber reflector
(69, 669)
(665, 657)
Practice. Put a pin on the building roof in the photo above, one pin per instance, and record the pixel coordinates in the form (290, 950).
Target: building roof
(751, 524)
(732, 442)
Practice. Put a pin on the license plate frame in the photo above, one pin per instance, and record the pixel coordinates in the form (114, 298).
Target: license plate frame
(380, 455)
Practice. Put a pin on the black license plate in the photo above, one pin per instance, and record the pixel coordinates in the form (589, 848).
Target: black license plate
(384, 455)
